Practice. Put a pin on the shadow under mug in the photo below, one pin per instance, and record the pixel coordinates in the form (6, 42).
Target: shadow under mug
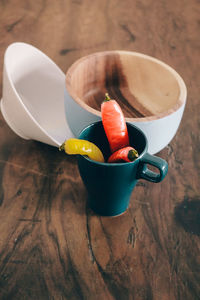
(109, 185)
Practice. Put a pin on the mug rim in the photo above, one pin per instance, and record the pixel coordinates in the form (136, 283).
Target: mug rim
(115, 164)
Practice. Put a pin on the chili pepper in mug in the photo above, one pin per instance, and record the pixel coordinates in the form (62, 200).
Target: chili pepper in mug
(127, 154)
(82, 147)
(114, 124)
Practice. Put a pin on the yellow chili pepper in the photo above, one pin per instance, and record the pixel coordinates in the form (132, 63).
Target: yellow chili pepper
(83, 147)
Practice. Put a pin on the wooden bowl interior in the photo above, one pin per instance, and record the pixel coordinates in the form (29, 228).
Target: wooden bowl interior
(142, 87)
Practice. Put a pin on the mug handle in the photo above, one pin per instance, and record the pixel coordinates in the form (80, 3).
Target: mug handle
(145, 173)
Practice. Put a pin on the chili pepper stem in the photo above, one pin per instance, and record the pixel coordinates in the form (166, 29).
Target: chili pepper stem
(107, 97)
(132, 154)
(62, 147)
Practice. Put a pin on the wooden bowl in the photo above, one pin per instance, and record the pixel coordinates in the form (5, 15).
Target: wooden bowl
(151, 94)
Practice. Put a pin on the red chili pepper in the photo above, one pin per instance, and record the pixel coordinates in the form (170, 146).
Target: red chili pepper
(114, 124)
(127, 154)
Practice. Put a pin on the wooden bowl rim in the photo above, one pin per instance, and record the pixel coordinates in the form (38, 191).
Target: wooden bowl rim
(182, 87)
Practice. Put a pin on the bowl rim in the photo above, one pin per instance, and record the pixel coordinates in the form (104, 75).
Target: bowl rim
(182, 87)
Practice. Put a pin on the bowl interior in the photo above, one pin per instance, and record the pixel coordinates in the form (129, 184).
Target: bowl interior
(38, 83)
(143, 86)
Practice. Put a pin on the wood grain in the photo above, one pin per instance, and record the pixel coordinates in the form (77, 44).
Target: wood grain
(142, 86)
(51, 245)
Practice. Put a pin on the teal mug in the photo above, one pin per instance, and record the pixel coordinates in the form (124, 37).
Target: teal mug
(110, 185)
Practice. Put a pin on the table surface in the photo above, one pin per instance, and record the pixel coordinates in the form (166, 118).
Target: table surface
(51, 245)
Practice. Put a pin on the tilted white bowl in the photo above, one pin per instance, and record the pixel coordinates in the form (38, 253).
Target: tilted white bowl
(33, 102)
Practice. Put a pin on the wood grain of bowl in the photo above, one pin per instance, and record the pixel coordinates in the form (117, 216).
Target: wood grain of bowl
(152, 95)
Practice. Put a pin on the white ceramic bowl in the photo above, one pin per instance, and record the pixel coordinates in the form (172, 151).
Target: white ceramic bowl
(33, 100)
(151, 93)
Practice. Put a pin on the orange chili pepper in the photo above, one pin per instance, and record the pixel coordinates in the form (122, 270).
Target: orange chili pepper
(127, 154)
(114, 124)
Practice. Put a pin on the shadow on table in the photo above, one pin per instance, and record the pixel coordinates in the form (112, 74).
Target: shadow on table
(187, 214)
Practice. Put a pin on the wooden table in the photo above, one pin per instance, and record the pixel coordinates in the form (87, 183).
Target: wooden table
(51, 245)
